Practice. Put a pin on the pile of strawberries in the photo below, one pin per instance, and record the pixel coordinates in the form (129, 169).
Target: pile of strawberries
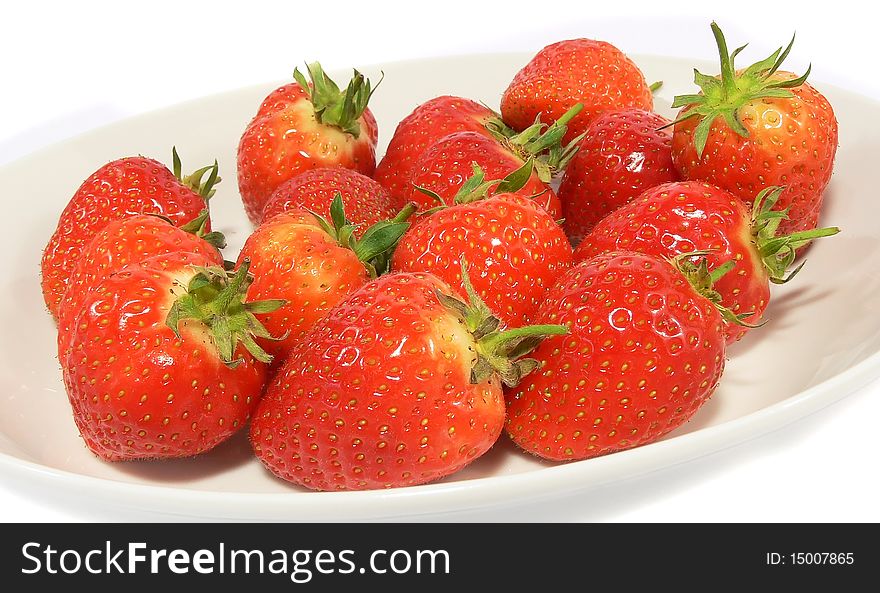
(383, 325)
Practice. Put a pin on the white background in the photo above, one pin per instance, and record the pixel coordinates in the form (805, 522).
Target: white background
(67, 68)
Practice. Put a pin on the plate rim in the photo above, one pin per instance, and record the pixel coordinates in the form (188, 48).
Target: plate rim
(717, 437)
(336, 72)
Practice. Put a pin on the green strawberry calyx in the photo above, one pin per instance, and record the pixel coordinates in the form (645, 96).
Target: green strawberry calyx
(216, 298)
(196, 180)
(779, 252)
(541, 142)
(476, 188)
(198, 226)
(375, 247)
(334, 107)
(499, 352)
(724, 95)
(703, 280)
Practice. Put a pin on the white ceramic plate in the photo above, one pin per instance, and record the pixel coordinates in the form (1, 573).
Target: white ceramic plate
(822, 342)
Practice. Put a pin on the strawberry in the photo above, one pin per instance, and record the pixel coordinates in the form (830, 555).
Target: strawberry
(623, 153)
(399, 385)
(131, 240)
(119, 189)
(305, 125)
(445, 166)
(428, 123)
(645, 350)
(366, 201)
(593, 73)
(683, 217)
(162, 360)
(751, 129)
(516, 251)
(313, 264)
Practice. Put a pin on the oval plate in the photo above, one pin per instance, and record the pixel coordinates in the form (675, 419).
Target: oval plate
(822, 341)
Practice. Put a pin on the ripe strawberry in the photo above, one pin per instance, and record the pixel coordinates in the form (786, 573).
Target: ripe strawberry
(312, 264)
(399, 385)
(515, 250)
(756, 128)
(594, 73)
(428, 123)
(683, 217)
(366, 201)
(301, 126)
(162, 360)
(645, 351)
(623, 153)
(445, 166)
(121, 188)
(132, 240)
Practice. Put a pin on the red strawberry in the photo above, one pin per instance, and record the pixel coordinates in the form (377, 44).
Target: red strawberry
(679, 218)
(162, 361)
(124, 187)
(366, 201)
(428, 123)
(594, 73)
(312, 264)
(301, 126)
(132, 240)
(623, 153)
(756, 128)
(399, 385)
(445, 166)
(644, 352)
(515, 250)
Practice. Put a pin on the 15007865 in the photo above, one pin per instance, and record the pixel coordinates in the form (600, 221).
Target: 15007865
(817, 558)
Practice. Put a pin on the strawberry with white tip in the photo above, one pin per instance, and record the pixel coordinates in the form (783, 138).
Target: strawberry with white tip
(304, 125)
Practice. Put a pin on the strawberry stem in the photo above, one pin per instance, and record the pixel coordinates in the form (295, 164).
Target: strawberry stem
(333, 107)
(375, 247)
(216, 299)
(499, 352)
(703, 280)
(476, 188)
(724, 95)
(194, 180)
(778, 252)
(719, 272)
(198, 226)
(540, 142)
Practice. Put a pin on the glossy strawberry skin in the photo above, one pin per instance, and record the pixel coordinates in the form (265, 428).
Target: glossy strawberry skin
(687, 216)
(593, 73)
(624, 153)
(446, 165)
(366, 202)
(792, 143)
(121, 188)
(428, 123)
(139, 392)
(285, 139)
(379, 394)
(292, 258)
(120, 243)
(514, 251)
(644, 352)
